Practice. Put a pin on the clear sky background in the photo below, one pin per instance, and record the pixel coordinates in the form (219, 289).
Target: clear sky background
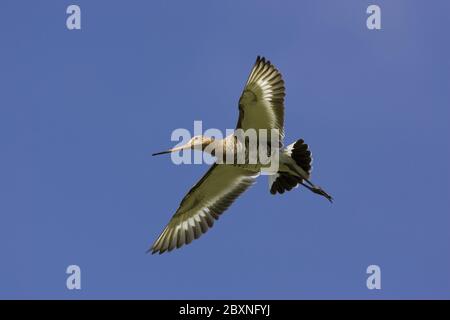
(82, 111)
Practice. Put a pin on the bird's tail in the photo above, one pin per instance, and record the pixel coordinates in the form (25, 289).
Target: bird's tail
(284, 181)
(298, 174)
(301, 154)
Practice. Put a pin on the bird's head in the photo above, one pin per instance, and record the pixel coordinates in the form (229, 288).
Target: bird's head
(196, 143)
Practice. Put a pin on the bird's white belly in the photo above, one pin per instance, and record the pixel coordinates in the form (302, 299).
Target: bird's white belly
(282, 165)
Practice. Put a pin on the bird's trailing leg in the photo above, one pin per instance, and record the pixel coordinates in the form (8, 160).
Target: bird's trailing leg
(309, 185)
(317, 190)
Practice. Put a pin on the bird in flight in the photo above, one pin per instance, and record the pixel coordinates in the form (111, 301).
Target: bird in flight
(261, 106)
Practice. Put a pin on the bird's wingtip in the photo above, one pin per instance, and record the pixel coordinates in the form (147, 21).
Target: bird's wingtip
(263, 60)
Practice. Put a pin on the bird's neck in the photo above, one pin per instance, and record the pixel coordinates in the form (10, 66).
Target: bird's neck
(212, 146)
(219, 145)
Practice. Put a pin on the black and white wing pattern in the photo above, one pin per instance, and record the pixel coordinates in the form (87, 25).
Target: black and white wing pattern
(203, 204)
(261, 105)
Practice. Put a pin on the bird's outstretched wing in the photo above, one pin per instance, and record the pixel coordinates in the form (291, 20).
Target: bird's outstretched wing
(261, 105)
(203, 204)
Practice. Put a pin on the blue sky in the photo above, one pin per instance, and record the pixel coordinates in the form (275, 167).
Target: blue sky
(82, 111)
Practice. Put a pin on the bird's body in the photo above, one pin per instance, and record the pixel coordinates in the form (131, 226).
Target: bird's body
(261, 108)
(231, 145)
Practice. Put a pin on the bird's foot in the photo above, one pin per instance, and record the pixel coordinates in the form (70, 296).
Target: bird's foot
(320, 191)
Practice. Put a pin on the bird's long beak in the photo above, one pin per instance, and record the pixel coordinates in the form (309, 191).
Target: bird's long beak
(162, 152)
(185, 146)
